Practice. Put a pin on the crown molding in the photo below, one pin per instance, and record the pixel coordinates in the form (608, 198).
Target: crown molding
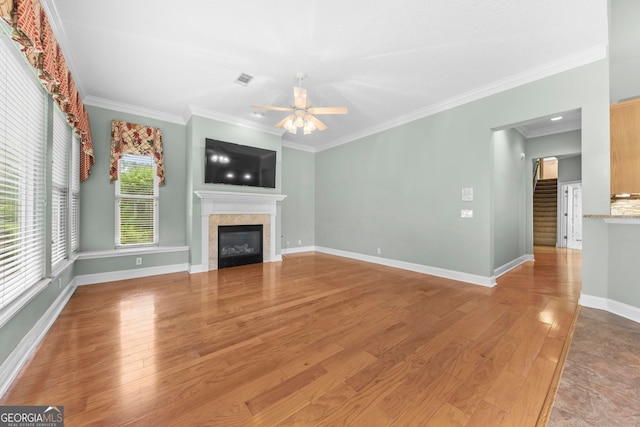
(579, 59)
(298, 146)
(133, 109)
(194, 110)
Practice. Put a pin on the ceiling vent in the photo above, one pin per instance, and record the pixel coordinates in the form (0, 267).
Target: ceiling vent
(244, 79)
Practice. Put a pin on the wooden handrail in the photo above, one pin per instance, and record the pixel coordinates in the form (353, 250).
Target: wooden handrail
(535, 173)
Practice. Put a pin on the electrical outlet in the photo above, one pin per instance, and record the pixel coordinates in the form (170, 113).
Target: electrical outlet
(287, 243)
(299, 242)
(379, 251)
(466, 213)
(59, 283)
(139, 261)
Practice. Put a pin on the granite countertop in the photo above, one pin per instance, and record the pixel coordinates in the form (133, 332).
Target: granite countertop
(616, 219)
(612, 216)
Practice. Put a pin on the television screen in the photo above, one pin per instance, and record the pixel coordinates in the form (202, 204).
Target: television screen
(235, 164)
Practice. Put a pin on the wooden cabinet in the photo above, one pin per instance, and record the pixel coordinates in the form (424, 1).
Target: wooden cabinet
(625, 147)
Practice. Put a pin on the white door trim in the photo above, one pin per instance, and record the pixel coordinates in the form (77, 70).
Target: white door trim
(563, 212)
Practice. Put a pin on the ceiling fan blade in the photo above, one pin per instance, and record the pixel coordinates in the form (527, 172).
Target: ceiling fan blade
(329, 110)
(300, 97)
(318, 123)
(270, 107)
(283, 121)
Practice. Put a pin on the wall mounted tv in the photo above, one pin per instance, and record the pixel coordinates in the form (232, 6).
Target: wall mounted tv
(235, 164)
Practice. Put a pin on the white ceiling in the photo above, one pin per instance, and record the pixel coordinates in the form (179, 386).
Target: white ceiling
(388, 62)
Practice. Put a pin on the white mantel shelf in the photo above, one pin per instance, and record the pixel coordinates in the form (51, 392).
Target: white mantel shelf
(227, 202)
(231, 197)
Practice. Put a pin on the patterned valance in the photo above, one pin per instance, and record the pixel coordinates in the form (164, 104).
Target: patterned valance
(130, 138)
(31, 29)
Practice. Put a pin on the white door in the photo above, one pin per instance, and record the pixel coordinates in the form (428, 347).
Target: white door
(574, 216)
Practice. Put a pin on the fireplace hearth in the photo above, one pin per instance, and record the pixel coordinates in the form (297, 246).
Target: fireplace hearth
(239, 245)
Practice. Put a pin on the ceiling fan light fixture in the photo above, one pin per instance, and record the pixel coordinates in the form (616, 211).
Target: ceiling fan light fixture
(302, 114)
(309, 127)
(290, 126)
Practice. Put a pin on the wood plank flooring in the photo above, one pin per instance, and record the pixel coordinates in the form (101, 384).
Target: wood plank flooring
(314, 340)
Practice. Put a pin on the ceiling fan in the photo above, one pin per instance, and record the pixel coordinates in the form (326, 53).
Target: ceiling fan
(302, 115)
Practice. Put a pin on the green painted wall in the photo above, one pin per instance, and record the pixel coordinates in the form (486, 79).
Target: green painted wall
(509, 196)
(399, 190)
(560, 144)
(570, 169)
(97, 194)
(17, 327)
(119, 263)
(298, 209)
(624, 254)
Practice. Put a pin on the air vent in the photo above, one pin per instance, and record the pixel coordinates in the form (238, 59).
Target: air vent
(244, 79)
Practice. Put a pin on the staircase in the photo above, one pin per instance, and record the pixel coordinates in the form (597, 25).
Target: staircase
(545, 207)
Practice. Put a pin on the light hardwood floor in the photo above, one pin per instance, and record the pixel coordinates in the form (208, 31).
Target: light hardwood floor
(314, 340)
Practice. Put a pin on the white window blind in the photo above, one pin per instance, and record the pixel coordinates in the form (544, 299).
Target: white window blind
(59, 186)
(22, 240)
(137, 197)
(75, 194)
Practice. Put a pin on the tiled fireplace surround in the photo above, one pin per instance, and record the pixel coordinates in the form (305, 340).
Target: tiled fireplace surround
(227, 208)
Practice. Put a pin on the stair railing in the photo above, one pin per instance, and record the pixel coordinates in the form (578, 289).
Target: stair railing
(536, 173)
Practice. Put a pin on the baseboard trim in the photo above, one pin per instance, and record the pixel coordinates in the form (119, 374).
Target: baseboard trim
(112, 276)
(418, 268)
(27, 346)
(198, 268)
(299, 250)
(512, 264)
(616, 307)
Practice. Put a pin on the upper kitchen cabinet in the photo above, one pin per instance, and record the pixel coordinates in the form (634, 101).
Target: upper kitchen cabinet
(625, 147)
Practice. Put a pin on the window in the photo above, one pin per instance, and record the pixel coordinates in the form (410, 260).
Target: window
(137, 201)
(59, 187)
(22, 148)
(75, 194)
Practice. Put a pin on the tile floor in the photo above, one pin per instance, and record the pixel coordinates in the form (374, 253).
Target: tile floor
(600, 384)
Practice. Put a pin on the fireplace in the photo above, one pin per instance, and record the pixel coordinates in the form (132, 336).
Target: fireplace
(239, 245)
(228, 208)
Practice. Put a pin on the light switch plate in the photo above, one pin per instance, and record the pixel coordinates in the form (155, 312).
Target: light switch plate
(467, 194)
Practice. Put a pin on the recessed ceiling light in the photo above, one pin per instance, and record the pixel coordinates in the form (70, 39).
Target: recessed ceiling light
(258, 114)
(553, 119)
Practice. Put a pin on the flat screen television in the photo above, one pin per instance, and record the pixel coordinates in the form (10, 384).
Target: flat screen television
(235, 164)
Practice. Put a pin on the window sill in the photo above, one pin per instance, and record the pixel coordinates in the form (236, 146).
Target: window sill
(60, 267)
(143, 250)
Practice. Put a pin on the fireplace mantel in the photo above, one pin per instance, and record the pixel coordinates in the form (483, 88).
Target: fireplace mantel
(233, 203)
(216, 202)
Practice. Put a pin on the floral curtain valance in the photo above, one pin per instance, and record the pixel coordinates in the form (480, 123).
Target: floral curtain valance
(130, 138)
(31, 29)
